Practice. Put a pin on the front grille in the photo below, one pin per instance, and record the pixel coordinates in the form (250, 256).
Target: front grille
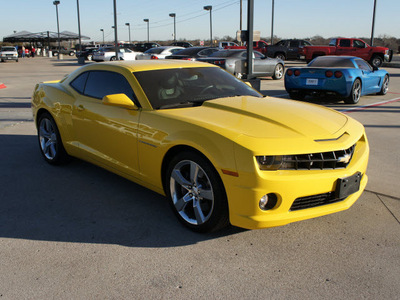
(324, 160)
(314, 201)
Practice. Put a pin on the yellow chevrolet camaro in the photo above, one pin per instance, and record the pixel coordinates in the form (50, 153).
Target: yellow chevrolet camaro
(220, 151)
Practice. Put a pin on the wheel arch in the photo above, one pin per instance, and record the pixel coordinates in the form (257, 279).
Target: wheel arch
(175, 150)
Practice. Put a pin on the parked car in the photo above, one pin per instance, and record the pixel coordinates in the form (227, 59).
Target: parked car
(193, 53)
(108, 54)
(287, 49)
(158, 53)
(142, 47)
(62, 50)
(182, 44)
(8, 53)
(343, 77)
(354, 47)
(217, 148)
(233, 61)
(223, 44)
(87, 53)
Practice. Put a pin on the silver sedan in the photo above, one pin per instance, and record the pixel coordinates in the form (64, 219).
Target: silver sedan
(233, 60)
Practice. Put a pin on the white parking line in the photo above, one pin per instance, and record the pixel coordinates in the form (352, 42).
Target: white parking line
(350, 110)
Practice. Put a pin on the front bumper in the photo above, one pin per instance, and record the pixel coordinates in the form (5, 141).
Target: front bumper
(244, 194)
(9, 57)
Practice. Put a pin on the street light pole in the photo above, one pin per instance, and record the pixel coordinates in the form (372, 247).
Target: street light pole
(373, 25)
(209, 7)
(102, 30)
(147, 21)
(115, 30)
(79, 32)
(272, 24)
(129, 28)
(56, 3)
(173, 15)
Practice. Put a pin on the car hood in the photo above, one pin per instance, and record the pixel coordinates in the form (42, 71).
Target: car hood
(245, 119)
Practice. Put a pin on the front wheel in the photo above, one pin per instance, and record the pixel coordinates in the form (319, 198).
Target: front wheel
(196, 193)
(385, 86)
(278, 73)
(355, 93)
(113, 58)
(50, 142)
(376, 61)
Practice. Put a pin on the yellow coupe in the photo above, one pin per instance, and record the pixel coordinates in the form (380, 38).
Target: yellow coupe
(220, 151)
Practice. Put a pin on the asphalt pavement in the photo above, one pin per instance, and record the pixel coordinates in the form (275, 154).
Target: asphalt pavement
(80, 232)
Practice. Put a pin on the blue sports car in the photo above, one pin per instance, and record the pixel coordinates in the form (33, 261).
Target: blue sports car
(344, 77)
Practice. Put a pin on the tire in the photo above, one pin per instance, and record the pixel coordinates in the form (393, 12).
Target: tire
(297, 95)
(196, 193)
(50, 142)
(376, 61)
(72, 53)
(355, 93)
(385, 86)
(89, 57)
(280, 56)
(278, 72)
(113, 58)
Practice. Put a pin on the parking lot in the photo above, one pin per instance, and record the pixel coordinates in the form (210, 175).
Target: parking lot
(80, 232)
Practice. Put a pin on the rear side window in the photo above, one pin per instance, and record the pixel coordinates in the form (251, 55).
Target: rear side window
(79, 82)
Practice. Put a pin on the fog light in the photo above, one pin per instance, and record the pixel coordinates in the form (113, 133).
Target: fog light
(268, 201)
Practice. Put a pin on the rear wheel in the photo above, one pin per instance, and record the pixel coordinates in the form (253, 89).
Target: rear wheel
(50, 142)
(280, 56)
(385, 86)
(113, 58)
(355, 93)
(196, 193)
(278, 73)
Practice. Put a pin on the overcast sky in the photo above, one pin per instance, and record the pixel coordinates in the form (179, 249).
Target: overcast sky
(293, 18)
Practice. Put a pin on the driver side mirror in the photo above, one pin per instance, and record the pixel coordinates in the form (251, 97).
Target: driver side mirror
(119, 100)
(375, 68)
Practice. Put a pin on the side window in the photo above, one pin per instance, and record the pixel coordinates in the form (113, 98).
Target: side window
(344, 43)
(358, 44)
(79, 82)
(258, 54)
(294, 44)
(175, 50)
(102, 83)
(332, 42)
(281, 43)
(363, 65)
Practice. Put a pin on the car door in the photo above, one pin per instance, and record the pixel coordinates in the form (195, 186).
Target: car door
(107, 134)
(370, 80)
(345, 47)
(263, 65)
(293, 49)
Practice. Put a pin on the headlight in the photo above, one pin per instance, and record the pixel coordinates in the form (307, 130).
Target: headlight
(273, 163)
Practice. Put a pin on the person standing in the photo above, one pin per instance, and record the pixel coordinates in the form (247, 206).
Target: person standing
(23, 51)
(33, 51)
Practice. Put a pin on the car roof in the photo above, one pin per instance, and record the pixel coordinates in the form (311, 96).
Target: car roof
(147, 65)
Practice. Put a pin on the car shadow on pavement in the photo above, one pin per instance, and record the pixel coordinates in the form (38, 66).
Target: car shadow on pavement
(82, 203)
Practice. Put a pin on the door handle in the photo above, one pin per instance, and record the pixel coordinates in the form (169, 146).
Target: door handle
(80, 107)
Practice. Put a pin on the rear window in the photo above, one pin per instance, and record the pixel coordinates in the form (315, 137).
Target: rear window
(331, 62)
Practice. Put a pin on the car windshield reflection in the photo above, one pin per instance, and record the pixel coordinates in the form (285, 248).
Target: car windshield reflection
(184, 87)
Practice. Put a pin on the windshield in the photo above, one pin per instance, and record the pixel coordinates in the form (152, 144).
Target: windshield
(330, 61)
(173, 88)
(8, 49)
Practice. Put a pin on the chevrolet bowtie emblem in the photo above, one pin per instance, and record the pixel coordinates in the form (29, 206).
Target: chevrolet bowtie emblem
(344, 159)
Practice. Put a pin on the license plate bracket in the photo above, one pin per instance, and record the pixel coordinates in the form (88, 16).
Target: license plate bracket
(348, 185)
